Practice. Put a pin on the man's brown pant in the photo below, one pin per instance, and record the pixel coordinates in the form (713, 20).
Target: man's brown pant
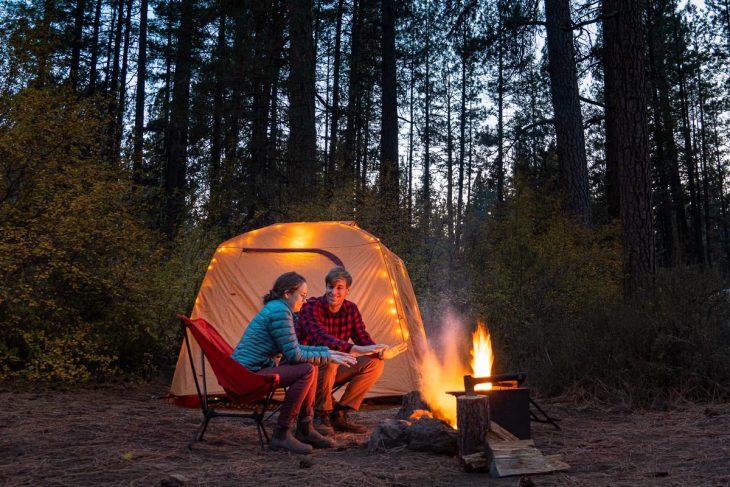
(361, 376)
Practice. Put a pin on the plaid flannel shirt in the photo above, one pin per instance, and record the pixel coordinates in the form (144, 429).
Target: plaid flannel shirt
(317, 325)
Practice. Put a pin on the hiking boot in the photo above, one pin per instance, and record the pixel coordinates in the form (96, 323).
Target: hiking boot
(307, 434)
(282, 439)
(341, 422)
(322, 423)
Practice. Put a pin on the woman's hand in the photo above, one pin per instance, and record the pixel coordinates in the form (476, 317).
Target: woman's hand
(341, 358)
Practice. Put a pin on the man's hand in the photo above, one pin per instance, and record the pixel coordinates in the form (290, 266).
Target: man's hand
(341, 358)
(393, 351)
(367, 349)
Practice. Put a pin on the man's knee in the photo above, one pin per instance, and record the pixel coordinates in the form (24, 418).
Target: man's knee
(374, 366)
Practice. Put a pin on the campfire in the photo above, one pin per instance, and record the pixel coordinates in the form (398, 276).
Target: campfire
(443, 373)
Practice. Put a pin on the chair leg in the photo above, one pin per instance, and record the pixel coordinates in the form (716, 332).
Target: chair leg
(200, 430)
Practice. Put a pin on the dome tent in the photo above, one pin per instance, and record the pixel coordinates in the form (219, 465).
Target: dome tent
(243, 269)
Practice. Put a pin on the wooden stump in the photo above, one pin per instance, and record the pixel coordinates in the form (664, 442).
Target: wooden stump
(472, 423)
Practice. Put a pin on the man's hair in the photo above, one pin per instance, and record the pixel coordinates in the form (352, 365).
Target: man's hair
(336, 274)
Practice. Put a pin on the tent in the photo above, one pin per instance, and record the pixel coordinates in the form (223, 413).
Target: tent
(244, 268)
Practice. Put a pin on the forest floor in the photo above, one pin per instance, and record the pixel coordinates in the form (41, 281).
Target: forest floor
(125, 435)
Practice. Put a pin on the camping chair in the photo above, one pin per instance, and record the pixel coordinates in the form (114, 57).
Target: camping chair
(240, 384)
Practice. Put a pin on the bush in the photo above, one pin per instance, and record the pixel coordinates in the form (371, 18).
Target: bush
(75, 259)
(550, 291)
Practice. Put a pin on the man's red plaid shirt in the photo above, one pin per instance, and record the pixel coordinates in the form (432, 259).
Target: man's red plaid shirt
(317, 325)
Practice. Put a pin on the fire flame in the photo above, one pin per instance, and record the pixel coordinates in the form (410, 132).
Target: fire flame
(444, 372)
(482, 356)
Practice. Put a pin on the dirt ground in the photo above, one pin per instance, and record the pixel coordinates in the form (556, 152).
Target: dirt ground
(124, 435)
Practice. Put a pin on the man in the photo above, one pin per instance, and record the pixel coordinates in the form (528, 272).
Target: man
(331, 320)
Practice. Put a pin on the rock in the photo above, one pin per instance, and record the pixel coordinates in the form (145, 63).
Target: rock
(410, 403)
(432, 435)
(389, 433)
(306, 463)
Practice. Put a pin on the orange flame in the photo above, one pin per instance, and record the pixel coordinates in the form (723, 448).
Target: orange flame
(444, 372)
(482, 355)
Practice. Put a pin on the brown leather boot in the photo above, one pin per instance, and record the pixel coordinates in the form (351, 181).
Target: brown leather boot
(282, 439)
(322, 423)
(306, 433)
(341, 422)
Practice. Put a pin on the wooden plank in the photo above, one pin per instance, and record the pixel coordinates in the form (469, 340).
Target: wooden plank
(496, 432)
(519, 458)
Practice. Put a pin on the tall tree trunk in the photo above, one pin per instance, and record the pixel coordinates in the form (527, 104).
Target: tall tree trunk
(332, 165)
(569, 135)
(119, 125)
(665, 133)
(661, 167)
(389, 171)
(354, 93)
(139, 106)
(624, 44)
(500, 109)
(426, 183)
(177, 132)
(301, 149)
(110, 44)
(704, 159)
(76, 42)
(263, 54)
(689, 161)
(216, 144)
(723, 202)
(411, 126)
(462, 140)
(94, 49)
(449, 163)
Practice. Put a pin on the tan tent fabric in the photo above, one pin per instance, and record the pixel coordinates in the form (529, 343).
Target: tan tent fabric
(244, 268)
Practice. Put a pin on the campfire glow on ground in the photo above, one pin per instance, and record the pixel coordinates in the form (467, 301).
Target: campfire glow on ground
(443, 368)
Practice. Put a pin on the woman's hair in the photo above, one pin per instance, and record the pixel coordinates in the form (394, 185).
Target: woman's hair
(287, 282)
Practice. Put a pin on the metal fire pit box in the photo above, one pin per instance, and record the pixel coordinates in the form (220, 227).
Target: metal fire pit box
(510, 408)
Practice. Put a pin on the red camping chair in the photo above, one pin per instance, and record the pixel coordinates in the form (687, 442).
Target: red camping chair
(240, 384)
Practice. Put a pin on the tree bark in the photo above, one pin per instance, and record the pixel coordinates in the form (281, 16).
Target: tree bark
(94, 49)
(472, 423)
(389, 171)
(335, 121)
(624, 41)
(76, 42)
(137, 153)
(177, 133)
(569, 136)
(301, 149)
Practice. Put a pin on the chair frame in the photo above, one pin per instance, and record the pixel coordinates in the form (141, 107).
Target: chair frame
(257, 415)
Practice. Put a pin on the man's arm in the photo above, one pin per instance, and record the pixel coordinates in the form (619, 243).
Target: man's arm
(311, 322)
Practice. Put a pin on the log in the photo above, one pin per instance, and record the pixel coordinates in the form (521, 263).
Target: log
(410, 403)
(475, 462)
(472, 423)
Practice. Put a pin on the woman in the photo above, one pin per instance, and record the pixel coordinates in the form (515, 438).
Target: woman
(271, 333)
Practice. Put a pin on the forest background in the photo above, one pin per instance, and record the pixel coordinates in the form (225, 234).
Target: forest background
(555, 168)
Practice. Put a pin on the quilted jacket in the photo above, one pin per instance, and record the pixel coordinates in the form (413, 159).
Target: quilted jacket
(270, 333)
